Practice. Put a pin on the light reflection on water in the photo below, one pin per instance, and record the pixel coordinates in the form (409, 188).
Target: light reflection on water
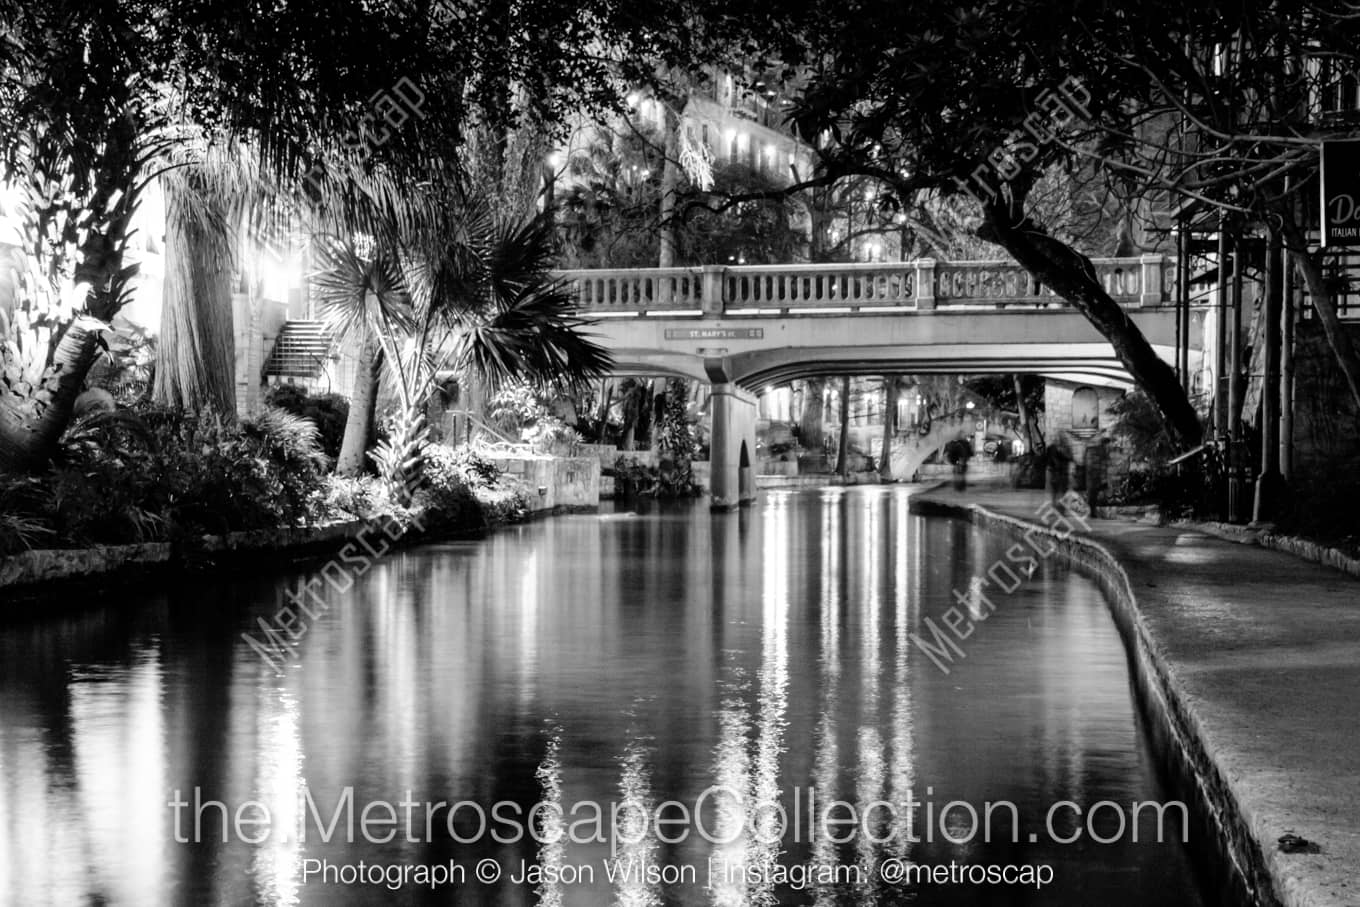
(628, 661)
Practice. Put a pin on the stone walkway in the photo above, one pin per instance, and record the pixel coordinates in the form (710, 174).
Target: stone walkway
(1262, 650)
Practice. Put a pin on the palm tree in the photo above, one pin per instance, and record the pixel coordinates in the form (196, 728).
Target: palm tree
(470, 291)
(363, 297)
(210, 193)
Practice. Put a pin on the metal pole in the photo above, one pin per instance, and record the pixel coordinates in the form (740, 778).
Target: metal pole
(1267, 484)
(1181, 338)
(1221, 307)
(1235, 342)
(1288, 306)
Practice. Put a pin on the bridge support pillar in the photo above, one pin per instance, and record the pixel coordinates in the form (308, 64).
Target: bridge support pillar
(732, 448)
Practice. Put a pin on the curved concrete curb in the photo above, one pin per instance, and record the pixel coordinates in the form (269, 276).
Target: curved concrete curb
(1310, 551)
(1243, 841)
(1246, 535)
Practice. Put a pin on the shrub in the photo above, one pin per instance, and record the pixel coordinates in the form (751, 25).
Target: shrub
(362, 497)
(22, 520)
(328, 412)
(198, 474)
(505, 503)
(445, 494)
(664, 481)
(476, 470)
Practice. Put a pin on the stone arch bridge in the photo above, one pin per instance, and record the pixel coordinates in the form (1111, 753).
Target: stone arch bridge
(746, 329)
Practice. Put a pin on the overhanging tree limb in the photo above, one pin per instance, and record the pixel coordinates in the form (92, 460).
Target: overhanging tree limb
(1073, 277)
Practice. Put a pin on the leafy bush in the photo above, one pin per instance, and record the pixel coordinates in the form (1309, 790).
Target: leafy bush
(1141, 431)
(328, 412)
(362, 497)
(21, 522)
(183, 475)
(476, 470)
(663, 481)
(445, 493)
(505, 503)
(524, 413)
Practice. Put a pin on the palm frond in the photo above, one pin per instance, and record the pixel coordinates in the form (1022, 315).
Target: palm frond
(296, 435)
(535, 336)
(358, 293)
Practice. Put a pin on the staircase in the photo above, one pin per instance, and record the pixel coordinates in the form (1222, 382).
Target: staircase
(300, 351)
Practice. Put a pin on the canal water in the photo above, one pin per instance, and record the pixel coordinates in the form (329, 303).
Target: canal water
(661, 707)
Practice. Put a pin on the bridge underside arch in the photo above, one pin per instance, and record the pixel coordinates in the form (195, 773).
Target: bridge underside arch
(757, 371)
(646, 363)
(740, 358)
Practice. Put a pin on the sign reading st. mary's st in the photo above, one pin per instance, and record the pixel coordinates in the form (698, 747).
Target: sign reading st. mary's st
(1341, 193)
(715, 333)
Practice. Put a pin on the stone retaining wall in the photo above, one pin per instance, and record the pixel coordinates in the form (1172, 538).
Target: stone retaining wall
(556, 482)
(26, 570)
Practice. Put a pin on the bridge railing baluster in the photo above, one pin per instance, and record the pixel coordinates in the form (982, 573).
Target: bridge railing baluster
(789, 288)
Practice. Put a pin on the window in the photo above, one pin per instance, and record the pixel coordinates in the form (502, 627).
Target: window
(1337, 88)
(1085, 410)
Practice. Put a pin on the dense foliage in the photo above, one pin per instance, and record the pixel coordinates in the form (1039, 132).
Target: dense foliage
(164, 475)
(327, 412)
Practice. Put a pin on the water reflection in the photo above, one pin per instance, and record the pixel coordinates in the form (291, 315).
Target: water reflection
(626, 660)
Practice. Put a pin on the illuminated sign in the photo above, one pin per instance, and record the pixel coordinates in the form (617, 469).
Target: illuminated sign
(1341, 193)
(715, 333)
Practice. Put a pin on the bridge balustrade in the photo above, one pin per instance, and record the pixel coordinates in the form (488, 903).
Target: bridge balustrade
(871, 287)
(806, 286)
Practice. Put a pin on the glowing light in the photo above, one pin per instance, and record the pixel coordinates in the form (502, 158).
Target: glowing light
(364, 246)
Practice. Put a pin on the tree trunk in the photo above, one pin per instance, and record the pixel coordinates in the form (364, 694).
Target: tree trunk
(670, 181)
(27, 443)
(810, 420)
(889, 418)
(195, 358)
(606, 399)
(362, 404)
(1323, 303)
(1027, 426)
(1072, 276)
(843, 448)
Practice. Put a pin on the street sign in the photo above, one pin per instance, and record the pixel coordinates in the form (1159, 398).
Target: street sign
(1341, 193)
(715, 333)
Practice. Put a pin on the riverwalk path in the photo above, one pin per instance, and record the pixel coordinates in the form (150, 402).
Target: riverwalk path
(1253, 657)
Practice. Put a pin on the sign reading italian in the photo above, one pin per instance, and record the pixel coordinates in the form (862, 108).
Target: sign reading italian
(1341, 193)
(715, 333)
